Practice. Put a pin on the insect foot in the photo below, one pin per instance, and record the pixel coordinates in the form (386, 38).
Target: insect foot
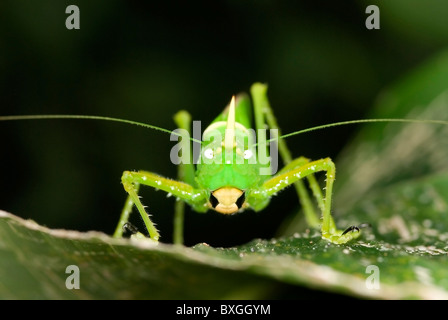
(340, 237)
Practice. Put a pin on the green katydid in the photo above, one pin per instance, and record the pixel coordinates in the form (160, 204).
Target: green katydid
(228, 176)
(231, 186)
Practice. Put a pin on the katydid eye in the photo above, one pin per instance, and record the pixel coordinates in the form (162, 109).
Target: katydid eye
(247, 154)
(208, 153)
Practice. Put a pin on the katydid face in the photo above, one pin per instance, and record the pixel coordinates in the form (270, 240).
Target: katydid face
(228, 166)
(227, 182)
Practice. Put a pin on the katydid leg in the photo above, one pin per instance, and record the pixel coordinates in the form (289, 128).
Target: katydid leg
(264, 114)
(288, 177)
(183, 190)
(125, 213)
(309, 210)
(131, 182)
(185, 173)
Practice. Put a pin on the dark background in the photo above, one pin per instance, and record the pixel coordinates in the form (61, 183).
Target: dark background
(144, 61)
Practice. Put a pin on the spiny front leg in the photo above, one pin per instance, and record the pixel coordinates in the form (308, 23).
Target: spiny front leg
(264, 113)
(329, 230)
(131, 187)
(131, 182)
(125, 213)
(305, 200)
(288, 177)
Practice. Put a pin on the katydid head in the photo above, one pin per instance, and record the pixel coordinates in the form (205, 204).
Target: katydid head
(228, 165)
(226, 174)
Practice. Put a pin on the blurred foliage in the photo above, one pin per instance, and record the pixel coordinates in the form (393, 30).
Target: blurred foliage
(144, 61)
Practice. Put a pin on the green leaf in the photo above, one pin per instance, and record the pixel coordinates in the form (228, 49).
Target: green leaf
(393, 176)
(34, 262)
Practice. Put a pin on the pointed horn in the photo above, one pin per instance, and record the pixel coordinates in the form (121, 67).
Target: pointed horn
(230, 127)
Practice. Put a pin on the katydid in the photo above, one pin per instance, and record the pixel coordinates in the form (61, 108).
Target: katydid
(230, 175)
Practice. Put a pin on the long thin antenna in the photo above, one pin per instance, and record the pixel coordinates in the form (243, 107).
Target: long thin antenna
(58, 116)
(343, 123)
(149, 126)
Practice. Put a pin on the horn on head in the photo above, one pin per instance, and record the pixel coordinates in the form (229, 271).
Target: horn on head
(230, 127)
